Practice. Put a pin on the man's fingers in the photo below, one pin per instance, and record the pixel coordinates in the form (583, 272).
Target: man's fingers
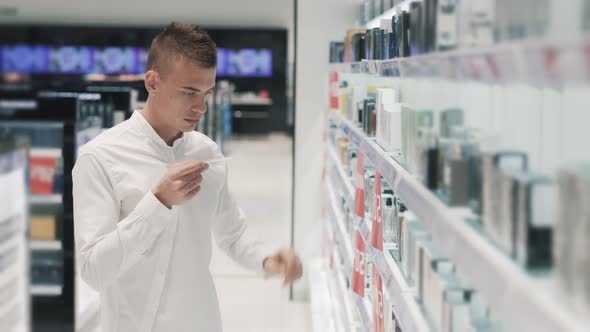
(189, 166)
(192, 182)
(193, 192)
(290, 267)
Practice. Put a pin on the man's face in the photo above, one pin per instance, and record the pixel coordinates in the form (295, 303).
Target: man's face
(182, 96)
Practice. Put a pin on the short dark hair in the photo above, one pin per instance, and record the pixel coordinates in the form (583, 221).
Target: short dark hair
(181, 41)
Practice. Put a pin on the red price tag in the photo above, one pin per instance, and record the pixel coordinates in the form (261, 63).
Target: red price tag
(358, 272)
(377, 292)
(334, 90)
(377, 234)
(42, 174)
(359, 196)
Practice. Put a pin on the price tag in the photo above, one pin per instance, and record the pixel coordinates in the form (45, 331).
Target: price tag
(377, 297)
(359, 197)
(358, 271)
(377, 234)
(334, 90)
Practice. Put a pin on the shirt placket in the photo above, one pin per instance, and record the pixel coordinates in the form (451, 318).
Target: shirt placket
(163, 263)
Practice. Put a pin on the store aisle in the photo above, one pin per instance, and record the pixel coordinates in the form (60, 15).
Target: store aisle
(260, 177)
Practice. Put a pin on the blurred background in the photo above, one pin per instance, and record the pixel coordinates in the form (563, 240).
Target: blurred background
(426, 158)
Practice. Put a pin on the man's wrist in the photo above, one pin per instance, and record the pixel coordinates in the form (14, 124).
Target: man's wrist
(158, 195)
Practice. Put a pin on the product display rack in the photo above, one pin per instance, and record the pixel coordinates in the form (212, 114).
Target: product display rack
(536, 62)
(58, 124)
(512, 84)
(531, 303)
(15, 306)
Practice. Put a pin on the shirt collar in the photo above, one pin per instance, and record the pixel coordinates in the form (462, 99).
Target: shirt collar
(139, 122)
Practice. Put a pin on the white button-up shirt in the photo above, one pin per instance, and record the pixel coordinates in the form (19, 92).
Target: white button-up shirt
(150, 263)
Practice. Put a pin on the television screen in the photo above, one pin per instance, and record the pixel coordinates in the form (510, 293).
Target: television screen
(39, 59)
(116, 60)
(24, 59)
(249, 63)
(70, 60)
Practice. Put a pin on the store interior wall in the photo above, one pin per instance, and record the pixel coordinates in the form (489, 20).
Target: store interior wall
(318, 22)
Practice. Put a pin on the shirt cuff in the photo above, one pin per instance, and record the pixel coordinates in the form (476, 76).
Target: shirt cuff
(265, 251)
(152, 209)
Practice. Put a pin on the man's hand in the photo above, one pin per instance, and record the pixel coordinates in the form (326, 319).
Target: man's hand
(181, 183)
(284, 263)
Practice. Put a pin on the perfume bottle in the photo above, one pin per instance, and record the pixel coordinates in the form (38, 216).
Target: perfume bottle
(387, 218)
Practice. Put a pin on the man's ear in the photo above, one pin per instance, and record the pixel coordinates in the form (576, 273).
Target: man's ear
(151, 80)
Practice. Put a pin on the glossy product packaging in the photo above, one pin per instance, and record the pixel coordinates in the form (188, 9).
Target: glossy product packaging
(428, 25)
(378, 47)
(414, 235)
(571, 245)
(355, 44)
(387, 218)
(402, 31)
(429, 262)
(450, 118)
(536, 216)
(416, 36)
(456, 183)
(493, 165)
(401, 211)
(429, 159)
(447, 25)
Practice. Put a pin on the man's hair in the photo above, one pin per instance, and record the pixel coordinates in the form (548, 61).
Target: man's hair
(181, 42)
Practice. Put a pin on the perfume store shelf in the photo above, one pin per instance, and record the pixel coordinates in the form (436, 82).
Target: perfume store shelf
(403, 297)
(346, 294)
(521, 301)
(531, 61)
(338, 219)
(46, 199)
(46, 290)
(343, 179)
(46, 245)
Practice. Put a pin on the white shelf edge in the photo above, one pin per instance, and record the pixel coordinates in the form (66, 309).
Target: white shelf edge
(46, 290)
(512, 61)
(363, 306)
(46, 152)
(46, 199)
(46, 245)
(322, 321)
(342, 175)
(402, 297)
(363, 226)
(337, 215)
(376, 21)
(336, 307)
(345, 292)
(520, 301)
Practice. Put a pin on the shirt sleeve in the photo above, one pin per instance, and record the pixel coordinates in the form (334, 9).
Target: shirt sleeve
(106, 246)
(232, 234)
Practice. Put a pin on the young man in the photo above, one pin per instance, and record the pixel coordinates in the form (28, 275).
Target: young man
(146, 202)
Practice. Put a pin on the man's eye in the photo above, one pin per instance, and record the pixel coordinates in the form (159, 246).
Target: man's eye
(189, 93)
